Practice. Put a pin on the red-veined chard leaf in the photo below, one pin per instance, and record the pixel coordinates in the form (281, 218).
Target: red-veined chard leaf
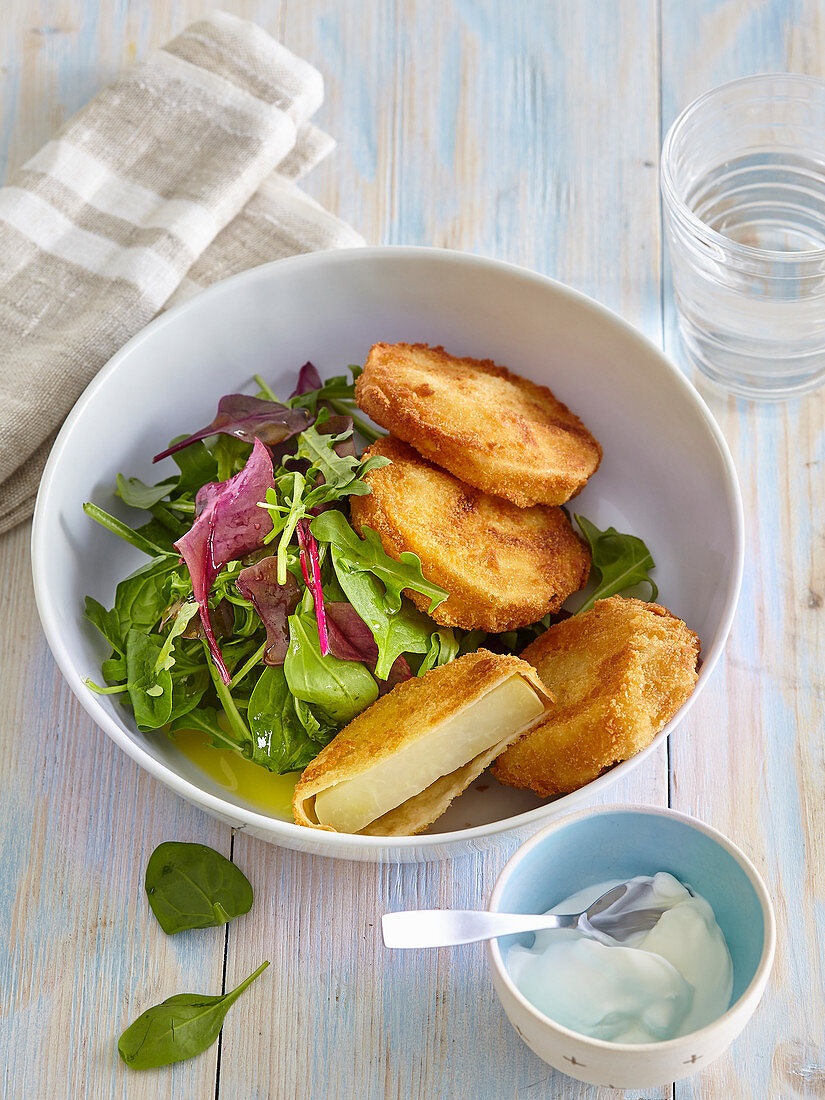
(274, 603)
(247, 418)
(229, 525)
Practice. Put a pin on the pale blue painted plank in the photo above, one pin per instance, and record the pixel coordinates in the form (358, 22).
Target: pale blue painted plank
(762, 718)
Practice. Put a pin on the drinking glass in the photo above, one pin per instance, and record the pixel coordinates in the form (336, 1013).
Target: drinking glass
(743, 196)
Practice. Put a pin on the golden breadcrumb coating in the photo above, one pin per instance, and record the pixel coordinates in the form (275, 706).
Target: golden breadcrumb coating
(491, 428)
(619, 673)
(503, 566)
(411, 710)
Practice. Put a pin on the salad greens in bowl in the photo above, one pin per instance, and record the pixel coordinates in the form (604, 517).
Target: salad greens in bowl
(223, 602)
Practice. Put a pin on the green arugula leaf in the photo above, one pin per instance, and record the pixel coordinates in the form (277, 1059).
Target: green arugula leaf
(368, 555)
(150, 690)
(184, 616)
(137, 494)
(286, 735)
(407, 630)
(621, 562)
(340, 689)
(180, 1027)
(193, 886)
(321, 732)
(443, 648)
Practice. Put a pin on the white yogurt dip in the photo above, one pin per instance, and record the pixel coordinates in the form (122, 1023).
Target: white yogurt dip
(653, 986)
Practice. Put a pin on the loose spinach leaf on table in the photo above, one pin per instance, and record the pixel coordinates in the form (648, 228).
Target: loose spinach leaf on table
(180, 1027)
(340, 689)
(621, 561)
(193, 886)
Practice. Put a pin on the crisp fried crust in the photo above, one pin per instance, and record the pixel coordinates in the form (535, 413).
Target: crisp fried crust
(503, 566)
(411, 710)
(619, 673)
(489, 427)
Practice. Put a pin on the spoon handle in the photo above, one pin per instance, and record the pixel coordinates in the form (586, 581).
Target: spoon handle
(447, 927)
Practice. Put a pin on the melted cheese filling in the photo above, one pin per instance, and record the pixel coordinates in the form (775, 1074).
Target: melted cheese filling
(351, 805)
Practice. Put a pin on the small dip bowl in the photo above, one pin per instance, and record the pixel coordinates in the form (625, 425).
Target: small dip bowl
(618, 842)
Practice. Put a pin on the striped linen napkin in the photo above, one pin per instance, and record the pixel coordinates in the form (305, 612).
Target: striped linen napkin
(180, 173)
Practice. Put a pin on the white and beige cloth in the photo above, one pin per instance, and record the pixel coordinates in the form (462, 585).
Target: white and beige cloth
(180, 173)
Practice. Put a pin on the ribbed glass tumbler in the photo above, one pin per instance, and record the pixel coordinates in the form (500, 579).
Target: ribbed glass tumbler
(743, 194)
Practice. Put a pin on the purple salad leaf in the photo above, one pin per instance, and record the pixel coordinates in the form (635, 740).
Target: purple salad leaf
(350, 639)
(248, 418)
(399, 672)
(339, 425)
(229, 525)
(308, 379)
(274, 603)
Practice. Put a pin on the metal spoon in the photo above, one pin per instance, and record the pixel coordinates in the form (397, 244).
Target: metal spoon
(618, 913)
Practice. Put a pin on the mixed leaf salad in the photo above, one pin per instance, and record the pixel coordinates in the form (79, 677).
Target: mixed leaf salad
(261, 617)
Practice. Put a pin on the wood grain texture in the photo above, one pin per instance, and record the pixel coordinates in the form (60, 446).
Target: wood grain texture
(527, 131)
(759, 724)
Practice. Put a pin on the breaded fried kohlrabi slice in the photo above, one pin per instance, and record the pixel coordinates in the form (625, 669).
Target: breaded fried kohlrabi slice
(488, 426)
(502, 566)
(397, 767)
(619, 672)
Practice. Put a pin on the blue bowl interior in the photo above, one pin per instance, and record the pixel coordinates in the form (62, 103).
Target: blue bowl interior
(623, 844)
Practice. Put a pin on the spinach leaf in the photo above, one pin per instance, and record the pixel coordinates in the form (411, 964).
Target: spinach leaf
(205, 719)
(193, 886)
(341, 689)
(286, 735)
(187, 692)
(395, 632)
(114, 670)
(137, 494)
(150, 688)
(368, 555)
(159, 534)
(140, 599)
(620, 560)
(197, 466)
(107, 622)
(180, 1027)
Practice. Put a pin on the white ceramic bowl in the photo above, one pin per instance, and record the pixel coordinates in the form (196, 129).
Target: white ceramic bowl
(618, 842)
(667, 474)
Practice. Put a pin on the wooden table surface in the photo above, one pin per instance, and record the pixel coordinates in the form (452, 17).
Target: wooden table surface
(528, 130)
